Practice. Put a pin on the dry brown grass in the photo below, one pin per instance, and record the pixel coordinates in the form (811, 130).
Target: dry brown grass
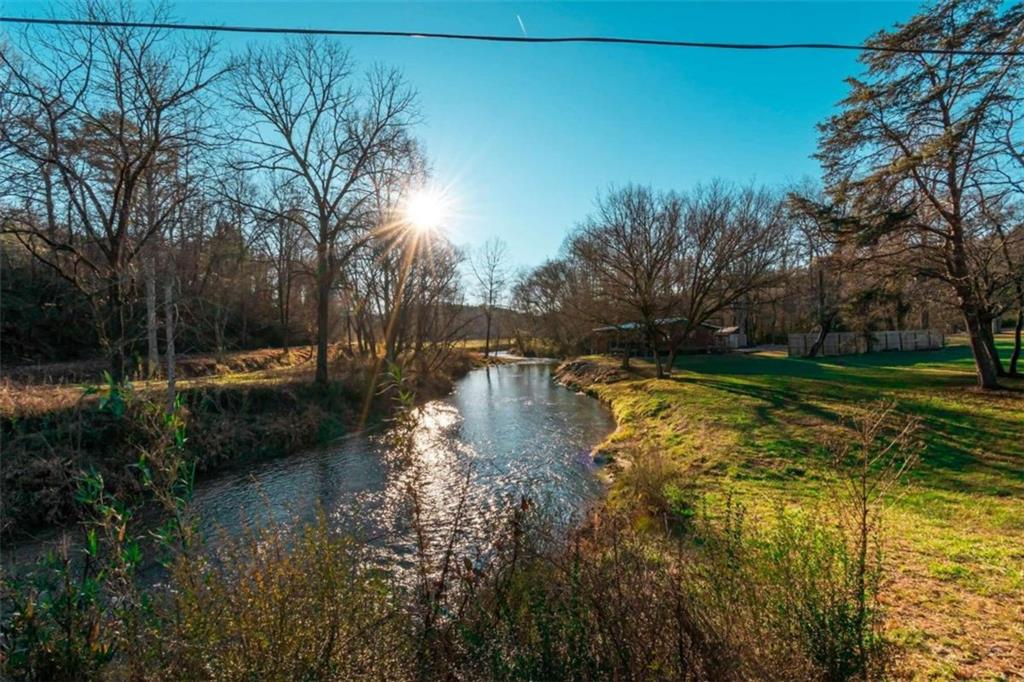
(24, 400)
(188, 366)
(253, 405)
(34, 390)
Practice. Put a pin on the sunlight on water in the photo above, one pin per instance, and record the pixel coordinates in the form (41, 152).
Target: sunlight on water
(506, 432)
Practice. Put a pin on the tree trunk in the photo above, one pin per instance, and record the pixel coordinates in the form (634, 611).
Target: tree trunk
(220, 323)
(987, 376)
(978, 325)
(825, 320)
(284, 327)
(1017, 329)
(245, 324)
(153, 355)
(673, 349)
(487, 337)
(323, 292)
(169, 324)
(652, 339)
(987, 326)
(825, 328)
(348, 328)
(520, 339)
(116, 330)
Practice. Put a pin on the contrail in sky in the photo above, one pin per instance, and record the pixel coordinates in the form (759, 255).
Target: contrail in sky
(520, 20)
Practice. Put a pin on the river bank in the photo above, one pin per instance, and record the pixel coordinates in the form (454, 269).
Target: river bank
(53, 432)
(496, 473)
(753, 429)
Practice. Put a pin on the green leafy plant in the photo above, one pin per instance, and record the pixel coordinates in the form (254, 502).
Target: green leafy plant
(71, 615)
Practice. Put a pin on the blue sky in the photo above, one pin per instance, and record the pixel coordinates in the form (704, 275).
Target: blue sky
(527, 135)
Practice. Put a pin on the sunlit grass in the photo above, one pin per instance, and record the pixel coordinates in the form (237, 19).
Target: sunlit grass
(754, 425)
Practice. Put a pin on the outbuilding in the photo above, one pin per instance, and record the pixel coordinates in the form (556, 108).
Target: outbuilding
(730, 338)
(629, 338)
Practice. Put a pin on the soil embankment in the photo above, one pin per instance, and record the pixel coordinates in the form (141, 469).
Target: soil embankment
(243, 408)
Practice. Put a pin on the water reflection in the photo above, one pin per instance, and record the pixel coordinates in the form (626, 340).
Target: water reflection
(505, 432)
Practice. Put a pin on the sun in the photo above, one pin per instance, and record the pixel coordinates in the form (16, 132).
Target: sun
(426, 210)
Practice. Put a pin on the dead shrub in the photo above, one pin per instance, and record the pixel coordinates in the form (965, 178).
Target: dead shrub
(269, 606)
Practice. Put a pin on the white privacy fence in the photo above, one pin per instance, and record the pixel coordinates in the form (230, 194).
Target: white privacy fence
(850, 343)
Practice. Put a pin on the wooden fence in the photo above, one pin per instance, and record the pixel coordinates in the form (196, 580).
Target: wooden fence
(851, 343)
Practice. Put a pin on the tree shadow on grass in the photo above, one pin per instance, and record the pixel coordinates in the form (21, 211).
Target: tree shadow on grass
(773, 438)
(958, 444)
(953, 357)
(771, 399)
(875, 370)
(964, 452)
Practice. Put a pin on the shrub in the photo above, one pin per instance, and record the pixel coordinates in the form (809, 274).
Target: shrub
(655, 488)
(604, 605)
(797, 595)
(270, 606)
(786, 594)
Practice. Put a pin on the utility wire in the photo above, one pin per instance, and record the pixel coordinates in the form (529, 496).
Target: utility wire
(605, 40)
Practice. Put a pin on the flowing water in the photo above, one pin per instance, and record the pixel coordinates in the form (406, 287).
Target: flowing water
(505, 433)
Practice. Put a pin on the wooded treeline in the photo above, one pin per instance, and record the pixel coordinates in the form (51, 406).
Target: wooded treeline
(161, 196)
(158, 194)
(918, 221)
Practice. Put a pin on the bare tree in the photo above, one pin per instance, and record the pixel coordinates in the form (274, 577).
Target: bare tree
(489, 266)
(284, 240)
(731, 245)
(152, 341)
(314, 122)
(548, 299)
(437, 304)
(1009, 220)
(99, 112)
(170, 329)
(630, 245)
(909, 141)
(820, 260)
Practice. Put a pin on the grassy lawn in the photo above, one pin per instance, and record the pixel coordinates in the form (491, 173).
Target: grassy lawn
(755, 424)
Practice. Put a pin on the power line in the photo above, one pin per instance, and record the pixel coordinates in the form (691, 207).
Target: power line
(476, 37)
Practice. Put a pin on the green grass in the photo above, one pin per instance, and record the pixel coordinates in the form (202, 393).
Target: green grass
(755, 425)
